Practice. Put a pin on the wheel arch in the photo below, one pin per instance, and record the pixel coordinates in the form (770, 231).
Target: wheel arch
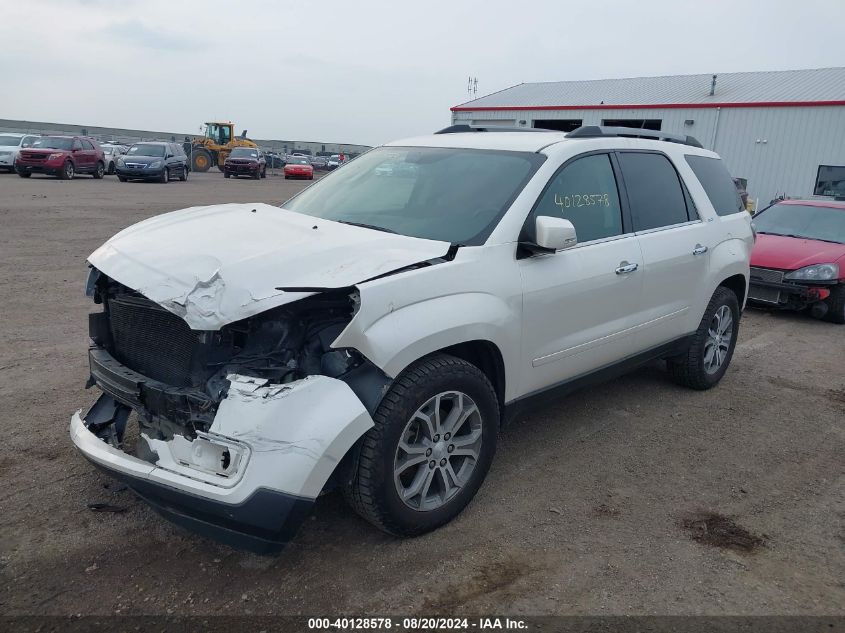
(738, 285)
(485, 355)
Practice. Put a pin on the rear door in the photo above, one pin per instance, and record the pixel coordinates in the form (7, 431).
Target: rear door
(673, 241)
(581, 305)
(87, 158)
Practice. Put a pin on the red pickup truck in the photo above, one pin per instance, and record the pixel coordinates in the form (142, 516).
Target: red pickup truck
(62, 156)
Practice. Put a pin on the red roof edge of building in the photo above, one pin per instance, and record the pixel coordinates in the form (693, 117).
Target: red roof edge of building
(651, 106)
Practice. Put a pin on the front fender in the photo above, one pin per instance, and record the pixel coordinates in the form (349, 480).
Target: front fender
(728, 259)
(400, 336)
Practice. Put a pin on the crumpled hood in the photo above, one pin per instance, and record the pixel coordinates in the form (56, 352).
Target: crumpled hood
(218, 264)
(792, 253)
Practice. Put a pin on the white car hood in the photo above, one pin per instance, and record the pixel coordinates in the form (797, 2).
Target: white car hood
(218, 264)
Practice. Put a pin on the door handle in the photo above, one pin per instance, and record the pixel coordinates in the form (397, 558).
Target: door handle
(699, 250)
(625, 268)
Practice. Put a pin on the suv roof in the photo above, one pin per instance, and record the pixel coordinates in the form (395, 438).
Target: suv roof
(535, 139)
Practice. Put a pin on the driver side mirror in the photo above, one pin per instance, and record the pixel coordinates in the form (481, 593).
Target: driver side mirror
(554, 234)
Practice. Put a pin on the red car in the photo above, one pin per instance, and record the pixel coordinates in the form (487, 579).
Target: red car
(62, 156)
(297, 167)
(798, 260)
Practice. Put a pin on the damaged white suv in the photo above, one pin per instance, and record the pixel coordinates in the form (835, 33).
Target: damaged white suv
(376, 331)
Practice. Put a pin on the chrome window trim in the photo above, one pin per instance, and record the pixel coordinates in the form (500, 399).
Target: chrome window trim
(668, 227)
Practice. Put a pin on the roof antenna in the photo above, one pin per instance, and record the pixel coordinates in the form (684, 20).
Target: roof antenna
(713, 86)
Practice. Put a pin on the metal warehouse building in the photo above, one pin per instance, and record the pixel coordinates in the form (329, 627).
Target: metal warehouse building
(782, 131)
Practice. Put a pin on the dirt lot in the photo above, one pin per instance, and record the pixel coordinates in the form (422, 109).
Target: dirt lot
(631, 498)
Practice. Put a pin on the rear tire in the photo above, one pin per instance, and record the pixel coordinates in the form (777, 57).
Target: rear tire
(713, 343)
(409, 475)
(836, 305)
(99, 170)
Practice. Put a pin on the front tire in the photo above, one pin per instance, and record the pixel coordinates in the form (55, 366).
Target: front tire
(165, 176)
(431, 447)
(201, 160)
(122, 178)
(836, 305)
(67, 171)
(713, 343)
(24, 174)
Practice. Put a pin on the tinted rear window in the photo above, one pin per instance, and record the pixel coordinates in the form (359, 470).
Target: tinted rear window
(654, 190)
(717, 183)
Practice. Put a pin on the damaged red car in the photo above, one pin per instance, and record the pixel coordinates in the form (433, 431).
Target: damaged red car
(798, 261)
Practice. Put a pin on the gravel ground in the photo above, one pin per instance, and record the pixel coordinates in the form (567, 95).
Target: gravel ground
(635, 497)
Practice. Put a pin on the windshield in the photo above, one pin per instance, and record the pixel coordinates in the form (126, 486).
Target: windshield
(798, 220)
(53, 142)
(244, 152)
(453, 195)
(146, 149)
(10, 141)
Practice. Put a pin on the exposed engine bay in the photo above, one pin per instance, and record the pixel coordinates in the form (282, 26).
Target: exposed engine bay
(175, 378)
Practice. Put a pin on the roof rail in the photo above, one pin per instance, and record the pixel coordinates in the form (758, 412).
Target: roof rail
(593, 131)
(463, 127)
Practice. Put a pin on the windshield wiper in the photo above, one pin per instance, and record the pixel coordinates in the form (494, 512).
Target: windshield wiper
(367, 226)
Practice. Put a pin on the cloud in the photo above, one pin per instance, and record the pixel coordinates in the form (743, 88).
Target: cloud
(136, 33)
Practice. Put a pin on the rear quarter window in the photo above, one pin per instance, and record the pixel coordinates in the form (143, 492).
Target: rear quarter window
(717, 183)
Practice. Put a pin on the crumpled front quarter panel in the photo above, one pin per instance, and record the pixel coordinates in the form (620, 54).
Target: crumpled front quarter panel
(477, 296)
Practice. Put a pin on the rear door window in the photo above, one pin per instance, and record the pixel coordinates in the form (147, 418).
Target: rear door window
(86, 144)
(717, 182)
(585, 193)
(654, 190)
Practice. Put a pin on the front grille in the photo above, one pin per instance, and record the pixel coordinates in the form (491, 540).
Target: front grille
(33, 156)
(766, 274)
(150, 340)
(762, 293)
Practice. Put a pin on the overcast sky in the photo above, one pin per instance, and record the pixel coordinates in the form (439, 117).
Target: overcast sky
(367, 72)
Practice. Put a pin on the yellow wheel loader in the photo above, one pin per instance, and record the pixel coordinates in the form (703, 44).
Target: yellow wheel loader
(213, 148)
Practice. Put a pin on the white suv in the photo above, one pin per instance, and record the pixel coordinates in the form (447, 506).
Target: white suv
(377, 330)
(10, 145)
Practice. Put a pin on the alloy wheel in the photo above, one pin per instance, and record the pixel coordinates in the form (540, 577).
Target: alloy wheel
(438, 451)
(719, 337)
